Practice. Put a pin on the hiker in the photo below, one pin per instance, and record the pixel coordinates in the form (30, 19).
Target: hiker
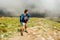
(24, 18)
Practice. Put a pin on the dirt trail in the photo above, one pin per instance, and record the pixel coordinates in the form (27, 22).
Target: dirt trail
(37, 34)
(42, 32)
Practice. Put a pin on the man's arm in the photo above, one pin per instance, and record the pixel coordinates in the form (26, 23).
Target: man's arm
(29, 17)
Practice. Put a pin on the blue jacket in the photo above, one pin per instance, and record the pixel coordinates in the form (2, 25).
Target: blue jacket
(22, 17)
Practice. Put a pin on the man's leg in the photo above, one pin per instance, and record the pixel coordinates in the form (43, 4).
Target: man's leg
(23, 29)
(26, 28)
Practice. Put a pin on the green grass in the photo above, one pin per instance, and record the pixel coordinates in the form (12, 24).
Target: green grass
(9, 25)
(51, 24)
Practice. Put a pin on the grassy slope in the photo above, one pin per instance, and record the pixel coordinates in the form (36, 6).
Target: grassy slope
(10, 25)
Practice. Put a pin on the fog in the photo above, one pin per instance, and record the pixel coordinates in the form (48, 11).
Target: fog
(49, 8)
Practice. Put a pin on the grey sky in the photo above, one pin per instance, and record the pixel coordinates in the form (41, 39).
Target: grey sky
(42, 6)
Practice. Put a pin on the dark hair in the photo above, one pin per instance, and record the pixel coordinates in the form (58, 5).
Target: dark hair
(26, 10)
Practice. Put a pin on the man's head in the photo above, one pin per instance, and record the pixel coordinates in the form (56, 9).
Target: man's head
(26, 11)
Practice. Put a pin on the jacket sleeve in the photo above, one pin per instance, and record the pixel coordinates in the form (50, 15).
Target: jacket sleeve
(29, 16)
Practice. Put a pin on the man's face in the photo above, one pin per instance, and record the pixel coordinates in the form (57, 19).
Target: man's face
(27, 12)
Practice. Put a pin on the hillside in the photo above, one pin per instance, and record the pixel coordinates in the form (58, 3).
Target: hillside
(38, 29)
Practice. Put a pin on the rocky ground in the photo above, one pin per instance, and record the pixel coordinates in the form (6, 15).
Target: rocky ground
(42, 32)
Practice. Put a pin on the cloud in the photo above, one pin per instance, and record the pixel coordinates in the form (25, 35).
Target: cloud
(16, 7)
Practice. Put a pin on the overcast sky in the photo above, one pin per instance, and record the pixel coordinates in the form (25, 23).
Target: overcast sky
(18, 6)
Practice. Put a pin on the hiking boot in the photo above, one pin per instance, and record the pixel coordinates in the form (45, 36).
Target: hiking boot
(21, 34)
(26, 31)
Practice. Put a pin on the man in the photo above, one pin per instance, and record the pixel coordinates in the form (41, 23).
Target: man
(24, 18)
